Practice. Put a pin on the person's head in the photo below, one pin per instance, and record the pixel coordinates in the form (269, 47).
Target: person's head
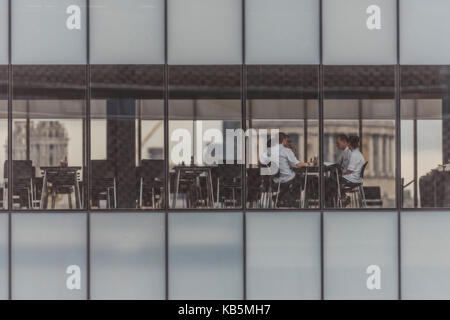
(283, 138)
(342, 141)
(353, 142)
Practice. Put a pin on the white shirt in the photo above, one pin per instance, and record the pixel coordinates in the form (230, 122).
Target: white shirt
(345, 159)
(355, 165)
(285, 162)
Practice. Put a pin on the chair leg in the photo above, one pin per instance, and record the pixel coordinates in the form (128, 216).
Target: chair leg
(278, 192)
(140, 194)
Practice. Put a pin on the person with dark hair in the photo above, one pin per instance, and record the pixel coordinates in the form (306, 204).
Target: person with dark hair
(290, 145)
(353, 173)
(285, 162)
(342, 144)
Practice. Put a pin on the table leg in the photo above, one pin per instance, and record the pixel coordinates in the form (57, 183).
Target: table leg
(211, 195)
(77, 193)
(338, 188)
(44, 194)
(304, 188)
(175, 195)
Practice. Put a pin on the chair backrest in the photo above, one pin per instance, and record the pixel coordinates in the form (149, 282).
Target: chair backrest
(363, 169)
(151, 169)
(22, 169)
(101, 169)
(372, 193)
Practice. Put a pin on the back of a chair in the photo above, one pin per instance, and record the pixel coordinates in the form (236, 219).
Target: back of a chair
(101, 170)
(363, 169)
(229, 172)
(372, 195)
(22, 169)
(150, 169)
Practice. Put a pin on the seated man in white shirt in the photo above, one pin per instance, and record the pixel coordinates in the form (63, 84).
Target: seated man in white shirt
(342, 143)
(353, 173)
(285, 162)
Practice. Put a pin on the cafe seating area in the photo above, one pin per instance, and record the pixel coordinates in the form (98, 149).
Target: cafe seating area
(190, 187)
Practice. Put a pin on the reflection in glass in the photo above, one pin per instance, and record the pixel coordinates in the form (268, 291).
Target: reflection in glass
(205, 255)
(425, 132)
(360, 255)
(127, 137)
(283, 98)
(3, 138)
(205, 106)
(48, 256)
(48, 137)
(359, 102)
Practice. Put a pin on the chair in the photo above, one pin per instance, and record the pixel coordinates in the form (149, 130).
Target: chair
(356, 190)
(228, 187)
(150, 175)
(255, 188)
(103, 182)
(373, 196)
(22, 182)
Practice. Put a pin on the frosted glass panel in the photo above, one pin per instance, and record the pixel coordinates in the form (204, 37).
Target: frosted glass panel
(282, 32)
(205, 31)
(3, 31)
(3, 256)
(205, 255)
(359, 32)
(425, 255)
(283, 255)
(49, 256)
(127, 32)
(424, 32)
(360, 255)
(127, 256)
(48, 31)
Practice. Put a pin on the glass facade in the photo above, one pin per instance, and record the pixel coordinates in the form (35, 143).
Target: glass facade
(139, 137)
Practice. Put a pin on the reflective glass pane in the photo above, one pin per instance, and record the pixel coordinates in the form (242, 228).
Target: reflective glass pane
(205, 255)
(3, 137)
(113, 21)
(127, 137)
(127, 256)
(359, 32)
(360, 255)
(48, 137)
(424, 32)
(359, 109)
(204, 31)
(48, 31)
(425, 255)
(4, 256)
(205, 137)
(282, 99)
(49, 256)
(425, 129)
(283, 255)
(282, 32)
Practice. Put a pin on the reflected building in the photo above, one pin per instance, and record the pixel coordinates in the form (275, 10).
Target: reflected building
(48, 142)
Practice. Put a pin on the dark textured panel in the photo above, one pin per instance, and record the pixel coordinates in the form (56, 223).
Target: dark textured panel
(282, 82)
(205, 82)
(49, 82)
(359, 82)
(127, 81)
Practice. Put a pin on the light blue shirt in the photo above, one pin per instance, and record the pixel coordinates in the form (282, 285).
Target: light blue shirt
(355, 166)
(285, 162)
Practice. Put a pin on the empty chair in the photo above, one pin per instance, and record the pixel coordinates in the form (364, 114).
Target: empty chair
(227, 184)
(103, 183)
(22, 182)
(373, 196)
(150, 175)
